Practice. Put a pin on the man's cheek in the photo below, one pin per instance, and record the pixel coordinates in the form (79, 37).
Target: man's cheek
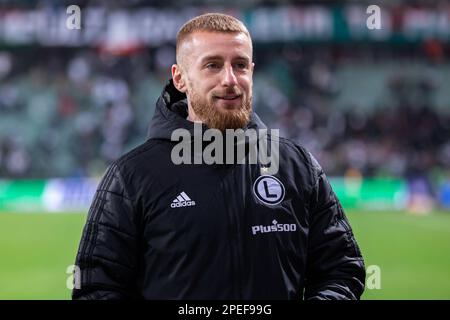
(211, 99)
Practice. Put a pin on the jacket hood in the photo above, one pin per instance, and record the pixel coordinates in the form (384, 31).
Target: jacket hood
(171, 112)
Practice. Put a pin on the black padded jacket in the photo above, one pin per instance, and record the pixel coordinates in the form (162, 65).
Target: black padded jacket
(157, 230)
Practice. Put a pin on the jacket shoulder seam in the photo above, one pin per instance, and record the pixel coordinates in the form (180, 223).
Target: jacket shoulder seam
(300, 150)
(145, 147)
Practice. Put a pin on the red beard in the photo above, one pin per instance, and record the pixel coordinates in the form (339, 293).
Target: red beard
(215, 118)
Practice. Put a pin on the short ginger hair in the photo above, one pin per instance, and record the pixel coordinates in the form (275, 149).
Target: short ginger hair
(213, 22)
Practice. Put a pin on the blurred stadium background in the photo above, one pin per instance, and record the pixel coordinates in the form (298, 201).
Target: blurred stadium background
(372, 105)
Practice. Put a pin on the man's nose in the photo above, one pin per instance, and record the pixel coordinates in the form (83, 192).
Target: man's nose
(229, 78)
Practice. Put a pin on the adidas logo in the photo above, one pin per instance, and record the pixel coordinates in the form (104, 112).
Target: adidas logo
(182, 201)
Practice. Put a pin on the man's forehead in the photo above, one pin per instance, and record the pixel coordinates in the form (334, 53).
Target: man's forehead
(206, 43)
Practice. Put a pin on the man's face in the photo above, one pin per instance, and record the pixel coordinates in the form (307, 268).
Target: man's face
(217, 72)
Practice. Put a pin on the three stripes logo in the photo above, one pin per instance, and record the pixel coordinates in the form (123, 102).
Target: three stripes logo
(182, 200)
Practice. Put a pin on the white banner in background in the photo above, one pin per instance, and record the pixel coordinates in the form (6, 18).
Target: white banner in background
(69, 194)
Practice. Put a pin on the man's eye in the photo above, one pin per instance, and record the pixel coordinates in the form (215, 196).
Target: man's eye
(212, 66)
(241, 65)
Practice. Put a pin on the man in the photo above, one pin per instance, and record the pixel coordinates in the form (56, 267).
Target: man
(159, 230)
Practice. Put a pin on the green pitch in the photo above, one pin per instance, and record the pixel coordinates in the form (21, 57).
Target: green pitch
(412, 253)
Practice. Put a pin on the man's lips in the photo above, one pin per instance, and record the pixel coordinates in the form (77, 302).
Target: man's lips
(228, 97)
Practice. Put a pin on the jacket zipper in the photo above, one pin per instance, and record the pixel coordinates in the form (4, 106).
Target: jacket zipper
(235, 234)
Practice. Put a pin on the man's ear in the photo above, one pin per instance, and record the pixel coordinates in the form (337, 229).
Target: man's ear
(178, 79)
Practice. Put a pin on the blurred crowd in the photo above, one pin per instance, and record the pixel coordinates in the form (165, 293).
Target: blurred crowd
(68, 113)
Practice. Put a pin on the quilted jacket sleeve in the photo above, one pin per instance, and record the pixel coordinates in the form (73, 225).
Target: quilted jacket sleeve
(335, 267)
(107, 254)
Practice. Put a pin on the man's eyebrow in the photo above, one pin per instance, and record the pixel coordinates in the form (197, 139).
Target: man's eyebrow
(243, 58)
(218, 57)
(213, 57)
